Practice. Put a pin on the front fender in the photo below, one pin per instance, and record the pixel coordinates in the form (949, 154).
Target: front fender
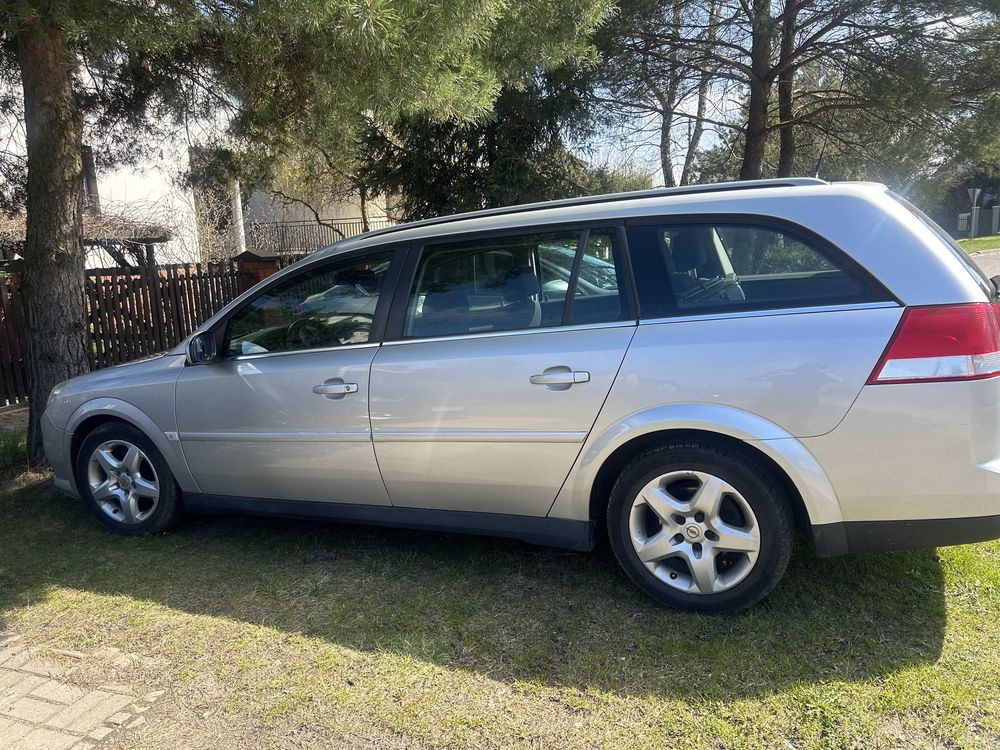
(818, 496)
(166, 443)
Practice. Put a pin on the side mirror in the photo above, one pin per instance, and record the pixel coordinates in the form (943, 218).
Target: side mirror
(202, 350)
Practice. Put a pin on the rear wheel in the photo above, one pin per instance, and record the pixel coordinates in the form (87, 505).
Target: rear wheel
(126, 482)
(699, 526)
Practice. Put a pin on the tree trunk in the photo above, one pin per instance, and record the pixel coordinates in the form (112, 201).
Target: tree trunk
(363, 199)
(704, 81)
(786, 83)
(760, 92)
(53, 249)
(666, 159)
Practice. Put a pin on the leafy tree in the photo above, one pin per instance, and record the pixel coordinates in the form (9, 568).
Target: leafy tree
(516, 154)
(654, 67)
(261, 77)
(757, 53)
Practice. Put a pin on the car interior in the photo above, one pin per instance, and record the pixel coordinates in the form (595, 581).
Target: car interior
(505, 284)
(731, 266)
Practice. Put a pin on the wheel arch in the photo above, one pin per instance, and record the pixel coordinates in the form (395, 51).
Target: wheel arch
(613, 466)
(93, 414)
(587, 488)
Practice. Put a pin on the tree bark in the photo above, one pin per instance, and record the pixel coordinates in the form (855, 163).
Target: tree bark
(363, 200)
(760, 92)
(786, 83)
(666, 158)
(53, 248)
(704, 81)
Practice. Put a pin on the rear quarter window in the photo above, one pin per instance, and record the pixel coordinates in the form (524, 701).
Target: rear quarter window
(722, 266)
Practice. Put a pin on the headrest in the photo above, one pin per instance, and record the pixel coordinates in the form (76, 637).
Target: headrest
(520, 283)
(689, 248)
(359, 276)
(447, 301)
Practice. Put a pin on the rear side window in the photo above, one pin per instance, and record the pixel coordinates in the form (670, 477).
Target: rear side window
(718, 267)
(515, 282)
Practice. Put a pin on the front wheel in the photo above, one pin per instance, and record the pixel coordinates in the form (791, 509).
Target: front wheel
(699, 526)
(125, 481)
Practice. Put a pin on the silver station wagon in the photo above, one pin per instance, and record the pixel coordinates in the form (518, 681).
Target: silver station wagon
(698, 373)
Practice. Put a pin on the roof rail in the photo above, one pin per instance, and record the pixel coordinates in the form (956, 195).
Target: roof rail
(716, 187)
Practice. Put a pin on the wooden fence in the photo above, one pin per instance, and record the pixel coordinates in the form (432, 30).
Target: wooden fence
(129, 315)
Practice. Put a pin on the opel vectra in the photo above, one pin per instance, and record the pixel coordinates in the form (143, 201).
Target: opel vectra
(698, 373)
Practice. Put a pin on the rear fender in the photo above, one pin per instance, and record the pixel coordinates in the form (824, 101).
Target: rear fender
(818, 496)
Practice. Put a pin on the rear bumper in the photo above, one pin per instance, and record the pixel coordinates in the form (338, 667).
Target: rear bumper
(851, 537)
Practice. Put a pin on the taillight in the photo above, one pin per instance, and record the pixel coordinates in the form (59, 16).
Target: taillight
(947, 342)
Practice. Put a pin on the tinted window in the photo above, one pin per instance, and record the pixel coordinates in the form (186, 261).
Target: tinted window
(726, 266)
(597, 298)
(510, 283)
(330, 305)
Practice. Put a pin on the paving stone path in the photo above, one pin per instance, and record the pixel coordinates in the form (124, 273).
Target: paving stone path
(42, 709)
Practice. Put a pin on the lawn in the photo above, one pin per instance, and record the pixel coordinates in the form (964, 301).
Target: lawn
(980, 244)
(292, 634)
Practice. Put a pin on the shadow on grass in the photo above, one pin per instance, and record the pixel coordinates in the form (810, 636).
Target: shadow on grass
(500, 608)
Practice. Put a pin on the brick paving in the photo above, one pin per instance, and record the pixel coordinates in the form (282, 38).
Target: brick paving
(42, 709)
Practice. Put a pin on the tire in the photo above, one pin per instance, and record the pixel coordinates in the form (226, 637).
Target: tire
(684, 561)
(117, 484)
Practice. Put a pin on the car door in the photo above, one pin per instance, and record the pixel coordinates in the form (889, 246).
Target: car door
(283, 413)
(494, 375)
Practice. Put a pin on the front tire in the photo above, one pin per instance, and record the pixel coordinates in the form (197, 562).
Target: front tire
(125, 481)
(699, 526)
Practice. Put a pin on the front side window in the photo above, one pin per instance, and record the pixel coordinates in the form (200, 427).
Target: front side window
(327, 306)
(730, 266)
(512, 283)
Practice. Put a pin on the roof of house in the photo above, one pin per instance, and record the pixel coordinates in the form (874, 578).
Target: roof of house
(98, 229)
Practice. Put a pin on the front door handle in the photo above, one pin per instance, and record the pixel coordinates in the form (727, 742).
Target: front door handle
(568, 377)
(335, 389)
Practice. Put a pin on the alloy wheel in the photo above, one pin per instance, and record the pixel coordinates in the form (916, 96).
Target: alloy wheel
(694, 531)
(123, 481)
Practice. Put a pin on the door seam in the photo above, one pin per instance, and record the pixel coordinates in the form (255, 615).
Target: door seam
(371, 427)
(597, 416)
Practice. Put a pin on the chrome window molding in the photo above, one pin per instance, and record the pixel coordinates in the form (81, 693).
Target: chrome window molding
(262, 355)
(514, 332)
(682, 318)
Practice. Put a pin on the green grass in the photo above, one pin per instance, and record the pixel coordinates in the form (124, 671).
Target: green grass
(13, 453)
(980, 244)
(360, 637)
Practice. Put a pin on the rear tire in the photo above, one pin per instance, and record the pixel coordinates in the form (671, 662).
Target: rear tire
(125, 481)
(699, 526)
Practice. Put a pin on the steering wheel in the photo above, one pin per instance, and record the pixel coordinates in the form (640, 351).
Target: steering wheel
(304, 333)
(713, 289)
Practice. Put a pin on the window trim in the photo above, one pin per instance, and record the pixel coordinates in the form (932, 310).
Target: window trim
(878, 293)
(397, 251)
(396, 320)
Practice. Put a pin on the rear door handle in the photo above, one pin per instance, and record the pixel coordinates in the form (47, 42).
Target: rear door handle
(561, 378)
(333, 390)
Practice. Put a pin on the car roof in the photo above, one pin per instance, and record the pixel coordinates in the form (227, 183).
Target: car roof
(718, 197)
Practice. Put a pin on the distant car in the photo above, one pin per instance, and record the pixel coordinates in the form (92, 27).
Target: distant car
(695, 372)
